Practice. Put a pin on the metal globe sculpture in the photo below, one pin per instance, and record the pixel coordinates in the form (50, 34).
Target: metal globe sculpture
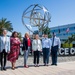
(36, 17)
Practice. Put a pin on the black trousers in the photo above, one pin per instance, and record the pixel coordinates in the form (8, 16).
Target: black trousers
(36, 57)
(54, 54)
(3, 58)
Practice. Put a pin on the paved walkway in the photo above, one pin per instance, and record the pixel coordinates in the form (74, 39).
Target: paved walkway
(64, 68)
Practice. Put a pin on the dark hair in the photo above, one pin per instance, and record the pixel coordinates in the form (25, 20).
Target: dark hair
(13, 33)
(53, 33)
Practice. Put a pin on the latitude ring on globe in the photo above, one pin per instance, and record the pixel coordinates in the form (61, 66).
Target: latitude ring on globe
(35, 17)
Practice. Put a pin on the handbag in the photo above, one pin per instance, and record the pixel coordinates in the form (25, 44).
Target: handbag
(23, 48)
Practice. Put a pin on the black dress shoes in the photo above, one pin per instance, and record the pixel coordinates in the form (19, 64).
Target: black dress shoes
(52, 64)
(4, 68)
(55, 64)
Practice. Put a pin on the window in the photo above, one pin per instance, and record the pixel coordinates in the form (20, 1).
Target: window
(71, 28)
(58, 30)
(63, 34)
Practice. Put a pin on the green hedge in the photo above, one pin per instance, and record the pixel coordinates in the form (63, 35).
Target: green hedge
(67, 45)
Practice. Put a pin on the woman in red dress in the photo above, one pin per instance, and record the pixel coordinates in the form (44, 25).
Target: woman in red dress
(14, 49)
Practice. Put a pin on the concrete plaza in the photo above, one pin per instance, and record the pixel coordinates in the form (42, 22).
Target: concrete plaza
(64, 68)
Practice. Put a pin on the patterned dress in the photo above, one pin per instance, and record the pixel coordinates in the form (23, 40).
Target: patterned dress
(14, 49)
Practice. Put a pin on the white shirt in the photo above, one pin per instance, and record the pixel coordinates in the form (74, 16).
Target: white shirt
(4, 41)
(56, 41)
(36, 45)
(46, 43)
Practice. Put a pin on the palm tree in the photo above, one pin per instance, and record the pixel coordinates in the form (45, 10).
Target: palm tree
(4, 24)
(20, 36)
(70, 39)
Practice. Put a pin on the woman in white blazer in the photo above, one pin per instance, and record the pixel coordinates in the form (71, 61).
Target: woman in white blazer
(4, 49)
(36, 47)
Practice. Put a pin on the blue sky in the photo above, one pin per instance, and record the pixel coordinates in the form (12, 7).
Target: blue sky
(62, 11)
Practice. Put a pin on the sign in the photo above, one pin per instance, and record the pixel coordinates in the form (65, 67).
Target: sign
(66, 52)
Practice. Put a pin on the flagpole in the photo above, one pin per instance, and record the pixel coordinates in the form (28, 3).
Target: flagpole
(68, 34)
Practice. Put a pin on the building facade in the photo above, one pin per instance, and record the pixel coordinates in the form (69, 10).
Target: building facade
(64, 31)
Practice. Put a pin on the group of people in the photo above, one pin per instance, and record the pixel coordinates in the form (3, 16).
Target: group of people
(10, 48)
